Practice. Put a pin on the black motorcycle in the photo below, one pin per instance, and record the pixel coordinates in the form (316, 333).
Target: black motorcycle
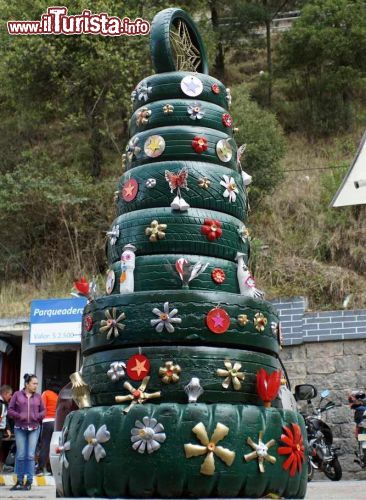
(357, 400)
(322, 454)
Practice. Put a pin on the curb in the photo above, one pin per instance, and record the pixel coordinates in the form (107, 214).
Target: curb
(10, 479)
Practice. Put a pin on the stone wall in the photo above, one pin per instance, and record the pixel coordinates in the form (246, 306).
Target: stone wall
(339, 366)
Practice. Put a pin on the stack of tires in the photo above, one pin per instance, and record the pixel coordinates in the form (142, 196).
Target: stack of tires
(172, 352)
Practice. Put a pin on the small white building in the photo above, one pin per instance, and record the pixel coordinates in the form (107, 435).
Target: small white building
(353, 188)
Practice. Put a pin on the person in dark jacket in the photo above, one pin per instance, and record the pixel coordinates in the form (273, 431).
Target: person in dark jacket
(5, 396)
(27, 410)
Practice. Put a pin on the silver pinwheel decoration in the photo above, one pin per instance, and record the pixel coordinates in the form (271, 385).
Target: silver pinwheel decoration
(63, 447)
(95, 440)
(147, 435)
(132, 149)
(116, 370)
(112, 325)
(141, 92)
(165, 318)
(113, 234)
(232, 375)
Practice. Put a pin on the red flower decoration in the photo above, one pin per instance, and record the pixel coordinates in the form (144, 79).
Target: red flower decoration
(268, 385)
(218, 275)
(211, 229)
(199, 144)
(215, 88)
(88, 322)
(227, 120)
(82, 286)
(294, 447)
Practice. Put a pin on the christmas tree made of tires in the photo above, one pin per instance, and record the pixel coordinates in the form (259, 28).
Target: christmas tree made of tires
(181, 355)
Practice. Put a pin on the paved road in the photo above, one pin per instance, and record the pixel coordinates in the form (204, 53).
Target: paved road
(324, 490)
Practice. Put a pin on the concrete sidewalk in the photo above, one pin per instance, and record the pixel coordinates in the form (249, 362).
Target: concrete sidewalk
(324, 490)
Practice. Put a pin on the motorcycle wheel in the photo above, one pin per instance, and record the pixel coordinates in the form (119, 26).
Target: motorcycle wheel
(310, 470)
(333, 470)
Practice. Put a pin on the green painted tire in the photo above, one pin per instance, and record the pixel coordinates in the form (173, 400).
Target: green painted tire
(193, 307)
(178, 146)
(182, 235)
(201, 362)
(167, 473)
(161, 49)
(166, 86)
(157, 272)
(211, 119)
(198, 197)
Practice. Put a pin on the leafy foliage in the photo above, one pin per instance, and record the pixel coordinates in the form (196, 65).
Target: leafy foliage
(260, 131)
(324, 59)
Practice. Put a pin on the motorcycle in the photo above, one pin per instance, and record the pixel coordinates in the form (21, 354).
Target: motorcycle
(357, 400)
(322, 454)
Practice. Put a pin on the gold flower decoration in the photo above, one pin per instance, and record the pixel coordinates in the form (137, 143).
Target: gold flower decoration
(136, 396)
(204, 183)
(260, 452)
(209, 447)
(168, 108)
(111, 326)
(143, 115)
(169, 373)
(242, 319)
(232, 374)
(156, 231)
(260, 322)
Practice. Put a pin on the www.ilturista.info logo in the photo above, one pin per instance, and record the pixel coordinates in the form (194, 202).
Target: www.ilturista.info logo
(58, 22)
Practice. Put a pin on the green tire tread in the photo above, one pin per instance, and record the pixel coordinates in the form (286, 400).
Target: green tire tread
(178, 146)
(211, 198)
(182, 235)
(193, 307)
(167, 86)
(201, 362)
(157, 272)
(211, 119)
(167, 473)
(160, 45)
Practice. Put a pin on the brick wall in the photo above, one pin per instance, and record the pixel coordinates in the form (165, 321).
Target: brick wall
(299, 326)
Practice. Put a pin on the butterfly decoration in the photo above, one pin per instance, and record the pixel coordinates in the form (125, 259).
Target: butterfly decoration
(177, 182)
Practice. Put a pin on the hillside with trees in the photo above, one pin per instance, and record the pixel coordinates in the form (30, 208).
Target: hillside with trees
(299, 103)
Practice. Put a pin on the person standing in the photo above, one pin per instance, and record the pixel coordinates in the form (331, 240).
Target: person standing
(27, 410)
(49, 398)
(6, 393)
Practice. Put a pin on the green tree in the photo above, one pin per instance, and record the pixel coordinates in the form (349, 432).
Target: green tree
(324, 60)
(260, 131)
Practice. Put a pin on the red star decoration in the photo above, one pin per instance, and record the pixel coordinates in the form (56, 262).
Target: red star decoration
(129, 190)
(138, 367)
(218, 320)
(215, 88)
(88, 322)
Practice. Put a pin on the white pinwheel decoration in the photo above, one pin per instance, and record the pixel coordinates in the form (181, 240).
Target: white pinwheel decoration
(165, 319)
(95, 441)
(147, 435)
